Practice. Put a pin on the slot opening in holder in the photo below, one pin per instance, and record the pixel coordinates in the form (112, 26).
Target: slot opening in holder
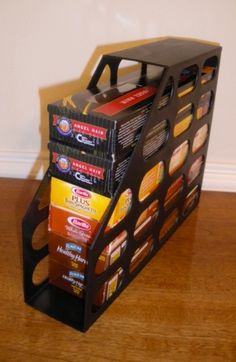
(156, 139)
(108, 288)
(200, 138)
(151, 181)
(141, 253)
(209, 69)
(195, 169)
(169, 223)
(40, 235)
(40, 273)
(179, 156)
(191, 200)
(187, 80)
(112, 252)
(183, 119)
(146, 219)
(204, 104)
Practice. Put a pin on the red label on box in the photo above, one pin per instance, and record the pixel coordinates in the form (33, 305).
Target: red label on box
(83, 167)
(126, 101)
(85, 128)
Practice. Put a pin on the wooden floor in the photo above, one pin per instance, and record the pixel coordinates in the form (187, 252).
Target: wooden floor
(181, 307)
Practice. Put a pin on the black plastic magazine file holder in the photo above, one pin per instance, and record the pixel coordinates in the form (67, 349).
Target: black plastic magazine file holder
(173, 55)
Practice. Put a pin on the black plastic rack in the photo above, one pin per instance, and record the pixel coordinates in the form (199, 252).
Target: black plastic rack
(173, 55)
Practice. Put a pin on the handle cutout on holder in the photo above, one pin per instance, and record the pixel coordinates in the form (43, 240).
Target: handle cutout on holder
(209, 69)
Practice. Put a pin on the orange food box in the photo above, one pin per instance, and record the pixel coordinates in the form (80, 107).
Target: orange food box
(72, 225)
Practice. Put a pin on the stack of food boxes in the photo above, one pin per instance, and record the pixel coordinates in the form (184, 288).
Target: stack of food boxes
(92, 136)
(91, 140)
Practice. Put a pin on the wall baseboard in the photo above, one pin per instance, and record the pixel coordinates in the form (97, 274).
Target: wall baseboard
(220, 177)
(14, 164)
(28, 164)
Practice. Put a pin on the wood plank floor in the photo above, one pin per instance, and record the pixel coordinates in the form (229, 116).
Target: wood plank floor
(181, 307)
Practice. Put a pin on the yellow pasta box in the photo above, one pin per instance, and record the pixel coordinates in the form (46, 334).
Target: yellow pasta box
(69, 199)
(77, 199)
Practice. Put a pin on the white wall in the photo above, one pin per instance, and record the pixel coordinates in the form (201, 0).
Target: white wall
(47, 45)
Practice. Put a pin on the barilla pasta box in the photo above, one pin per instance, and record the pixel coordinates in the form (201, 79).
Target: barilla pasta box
(106, 123)
(94, 173)
(77, 213)
(87, 205)
(74, 253)
(74, 281)
(72, 225)
(78, 200)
